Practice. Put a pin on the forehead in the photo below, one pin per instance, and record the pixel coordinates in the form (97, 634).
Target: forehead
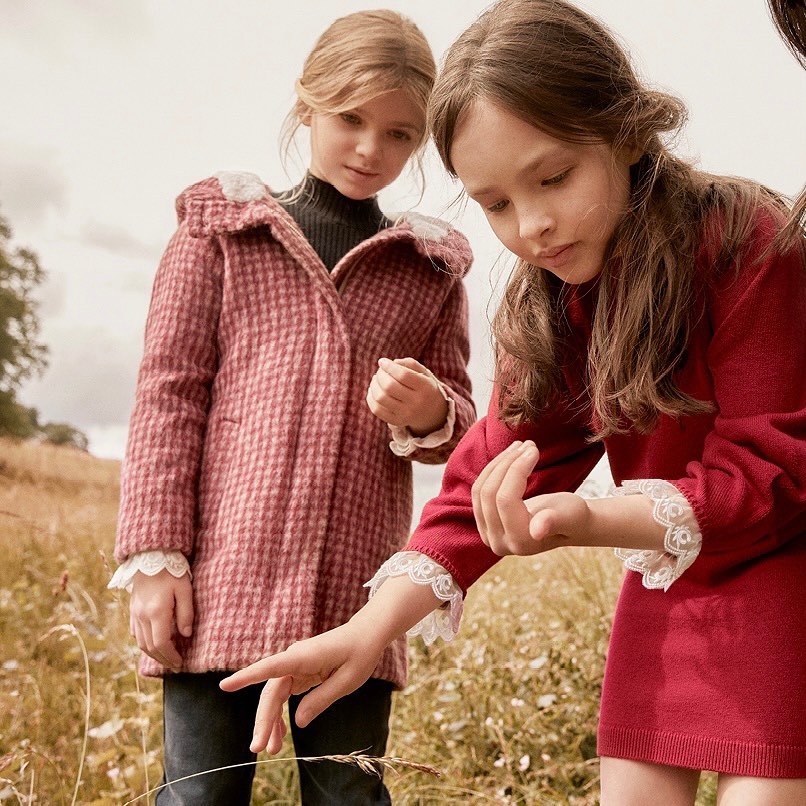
(394, 106)
(489, 138)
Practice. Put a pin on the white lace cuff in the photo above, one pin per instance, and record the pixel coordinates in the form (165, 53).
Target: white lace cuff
(149, 563)
(404, 442)
(682, 541)
(421, 569)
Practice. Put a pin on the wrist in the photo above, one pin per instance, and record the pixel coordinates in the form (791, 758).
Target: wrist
(395, 608)
(624, 523)
(422, 428)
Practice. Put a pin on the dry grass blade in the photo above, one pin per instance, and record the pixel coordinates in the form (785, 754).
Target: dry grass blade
(372, 765)
(71, 630)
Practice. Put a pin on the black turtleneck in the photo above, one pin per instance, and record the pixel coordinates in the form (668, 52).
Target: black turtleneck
(332, 223)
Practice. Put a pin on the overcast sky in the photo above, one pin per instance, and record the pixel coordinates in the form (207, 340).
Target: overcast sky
(111, 109)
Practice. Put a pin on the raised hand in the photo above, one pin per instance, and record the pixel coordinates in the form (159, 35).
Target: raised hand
(404, 393)
(510, 525)
(161, 605)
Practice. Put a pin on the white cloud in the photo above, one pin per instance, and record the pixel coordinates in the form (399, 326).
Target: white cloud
(32, 183)
(116, 107)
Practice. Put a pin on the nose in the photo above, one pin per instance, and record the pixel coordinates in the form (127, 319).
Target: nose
(368, 145)
(535, 222)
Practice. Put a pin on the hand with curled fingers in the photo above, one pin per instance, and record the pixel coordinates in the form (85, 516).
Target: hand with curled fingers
(161, 606)
(404, 393)
(508, 524)
(330, 665)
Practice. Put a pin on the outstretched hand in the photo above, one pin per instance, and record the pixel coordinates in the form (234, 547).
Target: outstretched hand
(330, 665)
(507, 523)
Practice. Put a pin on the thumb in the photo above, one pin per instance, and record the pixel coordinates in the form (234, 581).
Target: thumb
(184, 610)
(411, 363)
(543, 524)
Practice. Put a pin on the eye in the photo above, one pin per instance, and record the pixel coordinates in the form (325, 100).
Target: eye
(351, 118)
(399, 134)
(557, 179)
(498, 206)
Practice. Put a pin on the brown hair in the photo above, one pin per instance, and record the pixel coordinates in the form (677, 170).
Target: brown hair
(561, 70)
(789, 17)
(359, 57)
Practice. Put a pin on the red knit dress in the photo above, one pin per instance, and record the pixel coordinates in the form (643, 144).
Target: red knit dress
(710, 674)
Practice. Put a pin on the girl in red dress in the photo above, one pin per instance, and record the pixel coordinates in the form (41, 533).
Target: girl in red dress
(656, 313)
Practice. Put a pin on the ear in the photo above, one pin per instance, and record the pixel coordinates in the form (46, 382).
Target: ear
(306, 116)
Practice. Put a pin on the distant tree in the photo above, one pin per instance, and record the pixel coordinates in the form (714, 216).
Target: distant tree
(17, 420)
(64, 434)
(21, 353)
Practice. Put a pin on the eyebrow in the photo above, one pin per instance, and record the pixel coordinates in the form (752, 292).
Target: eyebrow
(399, 124)
(395, 124)
(530, 166)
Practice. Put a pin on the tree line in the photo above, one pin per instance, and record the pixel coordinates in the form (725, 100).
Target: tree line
(22, 354)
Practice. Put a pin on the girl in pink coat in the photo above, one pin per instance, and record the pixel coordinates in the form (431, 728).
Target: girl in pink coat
(302, 349)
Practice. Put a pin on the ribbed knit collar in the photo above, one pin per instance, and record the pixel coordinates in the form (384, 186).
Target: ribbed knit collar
(316, 194)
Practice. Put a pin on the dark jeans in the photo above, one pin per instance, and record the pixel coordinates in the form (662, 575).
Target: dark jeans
(207, 728)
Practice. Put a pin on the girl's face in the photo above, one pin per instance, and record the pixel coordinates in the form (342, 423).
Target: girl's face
(363, 150)
(553, 204)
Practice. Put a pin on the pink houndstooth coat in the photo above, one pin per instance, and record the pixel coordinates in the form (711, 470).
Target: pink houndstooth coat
(251, 447)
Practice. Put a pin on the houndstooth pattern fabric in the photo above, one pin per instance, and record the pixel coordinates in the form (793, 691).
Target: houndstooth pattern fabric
(251, 448)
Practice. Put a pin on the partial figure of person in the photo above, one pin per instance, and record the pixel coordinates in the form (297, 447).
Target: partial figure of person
(302, 350)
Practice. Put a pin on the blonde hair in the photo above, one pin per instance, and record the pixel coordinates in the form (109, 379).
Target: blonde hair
(359, 57)
(560, 70)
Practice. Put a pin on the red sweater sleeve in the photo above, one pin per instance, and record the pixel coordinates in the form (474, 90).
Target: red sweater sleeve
(748, 491)
(447, 532)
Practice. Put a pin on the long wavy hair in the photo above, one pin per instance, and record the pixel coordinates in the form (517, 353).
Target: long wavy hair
(559, 69)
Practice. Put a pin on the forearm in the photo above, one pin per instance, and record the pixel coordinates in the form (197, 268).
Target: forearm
(624, 522)
(395, 608)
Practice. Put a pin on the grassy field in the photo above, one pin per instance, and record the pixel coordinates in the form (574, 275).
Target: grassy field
(507, 712)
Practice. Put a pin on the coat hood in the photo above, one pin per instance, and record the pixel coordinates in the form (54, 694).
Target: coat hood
(232, 202)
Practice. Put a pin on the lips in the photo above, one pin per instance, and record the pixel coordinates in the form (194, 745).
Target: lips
(555, 252)
(361, 172)
(557, 257)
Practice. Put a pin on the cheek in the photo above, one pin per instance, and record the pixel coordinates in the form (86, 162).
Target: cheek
(401, 152)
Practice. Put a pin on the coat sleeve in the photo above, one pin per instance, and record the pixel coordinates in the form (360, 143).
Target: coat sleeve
(446, 355)
(748, 491)
(160, 470)
(447, 532)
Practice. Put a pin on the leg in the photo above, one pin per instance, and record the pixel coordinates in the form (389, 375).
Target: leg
(207, 728)
(636, 783)
(736, 790)
(359, 721)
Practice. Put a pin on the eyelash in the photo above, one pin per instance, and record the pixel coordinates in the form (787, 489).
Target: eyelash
(395, 134)
(558, 179)
(498, 207)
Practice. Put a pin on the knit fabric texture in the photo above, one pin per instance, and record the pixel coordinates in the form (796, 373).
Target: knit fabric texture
(332, 223)
(710, 674)
(251, 448)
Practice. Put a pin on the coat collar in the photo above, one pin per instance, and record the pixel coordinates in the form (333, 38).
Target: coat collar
(232, 202)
